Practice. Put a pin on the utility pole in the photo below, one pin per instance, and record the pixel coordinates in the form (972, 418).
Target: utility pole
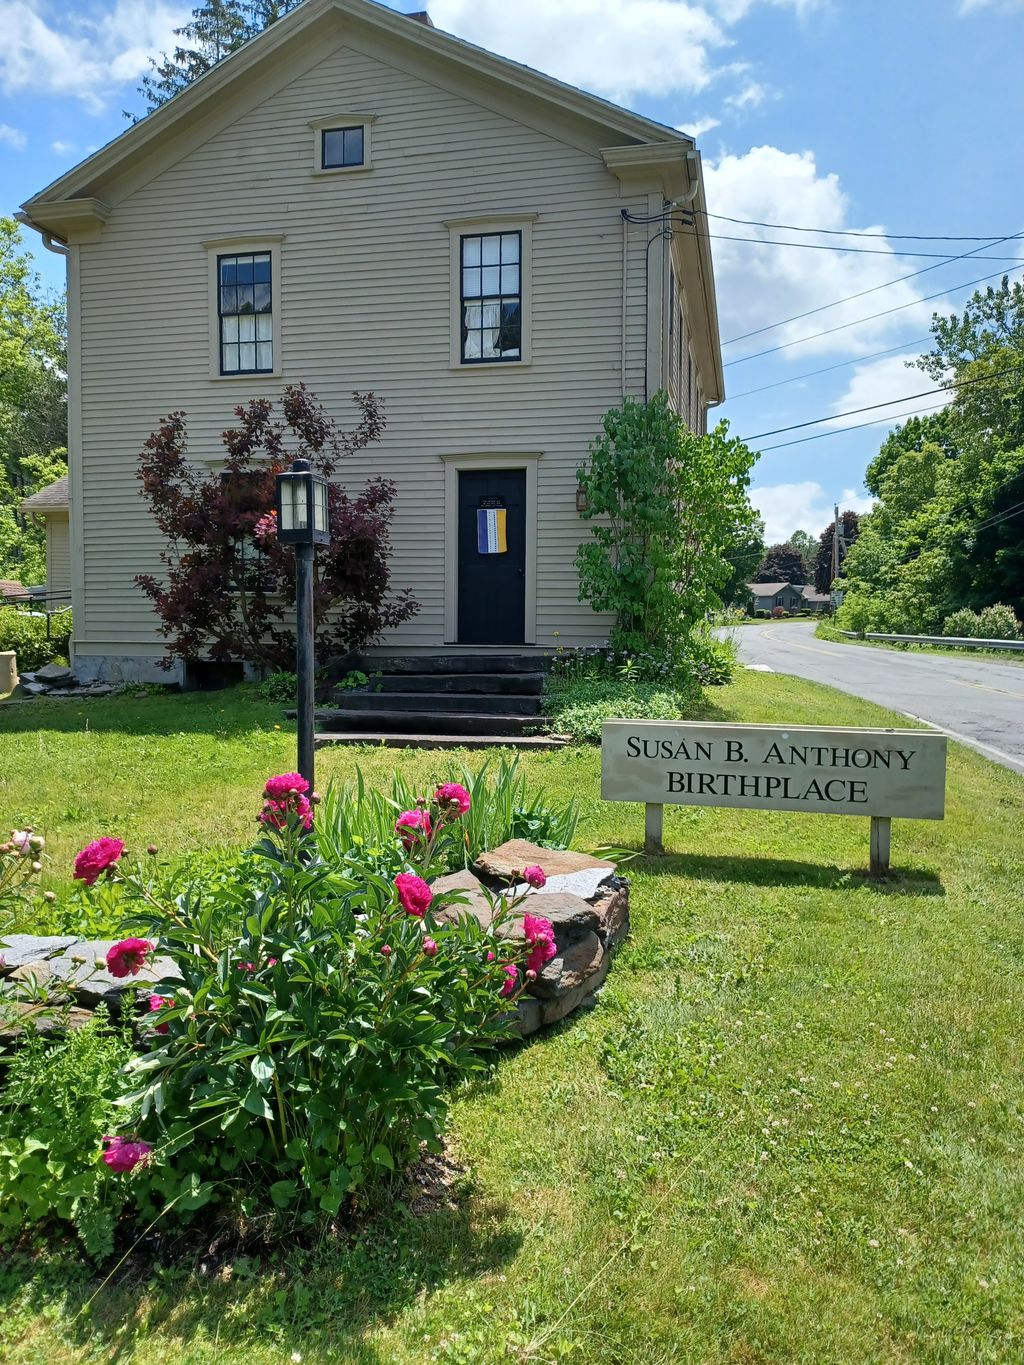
(835, 545)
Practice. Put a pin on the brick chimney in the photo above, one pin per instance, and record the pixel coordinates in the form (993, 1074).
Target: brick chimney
(422, 17)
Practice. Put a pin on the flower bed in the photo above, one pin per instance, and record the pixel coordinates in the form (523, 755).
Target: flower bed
(299, 1022)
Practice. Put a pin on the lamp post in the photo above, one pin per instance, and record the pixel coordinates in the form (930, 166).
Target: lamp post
(302, 522)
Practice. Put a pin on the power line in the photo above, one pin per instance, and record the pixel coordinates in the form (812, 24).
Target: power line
(857, 426)
(841, 365)
(847, 232)
(942, 256)
(890, 402)
(886, 312)
(810, 312)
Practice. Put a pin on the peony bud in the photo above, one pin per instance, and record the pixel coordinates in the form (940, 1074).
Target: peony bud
(531, 975)
(49, 896)
(386, 950)
(429, 948)
(37, 842)
(37, 867)
(152, 850)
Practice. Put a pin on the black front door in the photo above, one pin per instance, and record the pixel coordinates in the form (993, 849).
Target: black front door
(492, 556)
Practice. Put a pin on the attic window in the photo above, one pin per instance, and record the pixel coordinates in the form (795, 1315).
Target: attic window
(341, 147)
(341, 143)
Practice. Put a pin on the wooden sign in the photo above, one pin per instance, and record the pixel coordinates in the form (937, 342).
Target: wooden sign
(823, 770)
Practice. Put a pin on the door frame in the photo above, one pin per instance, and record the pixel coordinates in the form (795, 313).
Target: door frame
(453, 465)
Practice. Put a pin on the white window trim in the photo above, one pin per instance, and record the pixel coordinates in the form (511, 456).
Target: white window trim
(318, 125)
(492, 222)
(244, 243)
(453, 464)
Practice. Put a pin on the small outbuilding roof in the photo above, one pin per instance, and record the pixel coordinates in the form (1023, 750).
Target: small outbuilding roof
(52, 498)
(10, 591)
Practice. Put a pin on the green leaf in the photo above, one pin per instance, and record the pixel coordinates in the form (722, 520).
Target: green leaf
(382, 1156)
(255, 1102)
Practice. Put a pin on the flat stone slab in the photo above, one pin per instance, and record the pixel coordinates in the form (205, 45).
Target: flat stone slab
(17, 950)
(53, 673)
(474, 901)
(570, 917)
(506, 861)
(568, 971)
(42, 1019)
(586, 884)
(82, 970)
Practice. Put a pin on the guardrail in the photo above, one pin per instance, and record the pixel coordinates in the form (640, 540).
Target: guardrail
(952, 641)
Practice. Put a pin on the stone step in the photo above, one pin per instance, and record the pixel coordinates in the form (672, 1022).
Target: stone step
(479, 684)
(432, 664)
(395, 740)
(423, 721)
(429, 703)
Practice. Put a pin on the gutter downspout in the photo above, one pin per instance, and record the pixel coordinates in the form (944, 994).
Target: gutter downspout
(49, 240)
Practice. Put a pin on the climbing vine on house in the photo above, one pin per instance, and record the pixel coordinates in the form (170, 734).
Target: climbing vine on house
(666, 508)
(228, 592)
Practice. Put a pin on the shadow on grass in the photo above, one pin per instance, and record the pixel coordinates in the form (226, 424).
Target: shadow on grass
(234, 711)
(323, 1301)
(785, 872)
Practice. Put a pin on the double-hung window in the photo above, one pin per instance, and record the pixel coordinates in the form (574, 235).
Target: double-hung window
(245, 309)
(491, 297)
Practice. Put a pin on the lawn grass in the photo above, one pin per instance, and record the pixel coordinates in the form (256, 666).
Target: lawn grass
(790, 1131)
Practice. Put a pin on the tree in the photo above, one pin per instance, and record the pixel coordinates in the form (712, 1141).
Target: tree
(806, 544)
(745, 553)
(849, 526)
(215, 30)
(230, 584)
(33, 406)
(947, 532)
(667, 507)
(782, 564)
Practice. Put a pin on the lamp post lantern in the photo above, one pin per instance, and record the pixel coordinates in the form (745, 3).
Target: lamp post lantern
(302, 522)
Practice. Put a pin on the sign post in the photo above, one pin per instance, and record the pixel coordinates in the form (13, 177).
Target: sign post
(883, 774)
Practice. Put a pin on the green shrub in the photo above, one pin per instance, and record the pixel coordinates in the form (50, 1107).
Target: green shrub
(356, 824)
(319, 1012)
(26, 635)
(58, 1101)
(991, 623)
(279, 687)
(579, 709)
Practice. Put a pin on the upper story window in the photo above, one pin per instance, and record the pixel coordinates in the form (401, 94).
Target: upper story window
(341, 143)
(491, 297)
(245, 309)
(342, 147)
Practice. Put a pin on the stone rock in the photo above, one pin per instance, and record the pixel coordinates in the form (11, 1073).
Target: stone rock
(504, 862)
(16, 950)
(582, 995)
(92, 985)
(475, 902)
(54, 673)
(612, 910)
(42, 1019)
(587, 883)
(529, 1016)
(570, 969)
(34, 689)
(571, 918)
(32, 973)
(98, 690)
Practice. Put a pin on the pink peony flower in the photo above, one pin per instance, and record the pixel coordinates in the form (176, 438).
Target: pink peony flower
(511, 980)
(128, 957)
(157, 1002)
(245, 966)
(490, 955)
(534, 876)
(124, 1154)
(540, 935)
(284, 785)
(413, 826)
(96, 858)
(452, 797)
(22, 841)
(414, 894)
(275, 813)
(429, 948)
(271, 961)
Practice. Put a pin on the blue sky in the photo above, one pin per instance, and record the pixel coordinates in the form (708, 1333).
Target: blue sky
(882, 116)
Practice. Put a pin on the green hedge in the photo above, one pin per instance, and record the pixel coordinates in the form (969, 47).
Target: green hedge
(26, 635)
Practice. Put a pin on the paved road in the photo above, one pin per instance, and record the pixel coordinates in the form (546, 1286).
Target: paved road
(978, 701)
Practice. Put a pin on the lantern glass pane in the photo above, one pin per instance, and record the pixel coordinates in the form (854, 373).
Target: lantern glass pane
(287, 506)
(301, 486)
(319, 505)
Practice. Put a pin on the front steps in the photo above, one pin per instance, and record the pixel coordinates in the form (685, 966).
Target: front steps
(442, 702)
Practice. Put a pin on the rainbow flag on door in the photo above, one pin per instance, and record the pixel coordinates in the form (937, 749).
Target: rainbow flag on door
(490, 531)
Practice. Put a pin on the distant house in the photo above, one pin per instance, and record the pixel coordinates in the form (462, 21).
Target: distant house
(12, 592)
(51, 503)
(789, 596)
(358, 201)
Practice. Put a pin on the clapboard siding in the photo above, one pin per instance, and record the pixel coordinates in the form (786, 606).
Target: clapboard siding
(364, 273)
(58, 560)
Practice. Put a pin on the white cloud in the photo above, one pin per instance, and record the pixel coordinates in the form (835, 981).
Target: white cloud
(759, 285)
(750, 96)
(789, 507)
(616, 48)
(14, 137)
(882, 381)
(698, 127)
(52, 50)
(1005, 6)
(63, 148)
